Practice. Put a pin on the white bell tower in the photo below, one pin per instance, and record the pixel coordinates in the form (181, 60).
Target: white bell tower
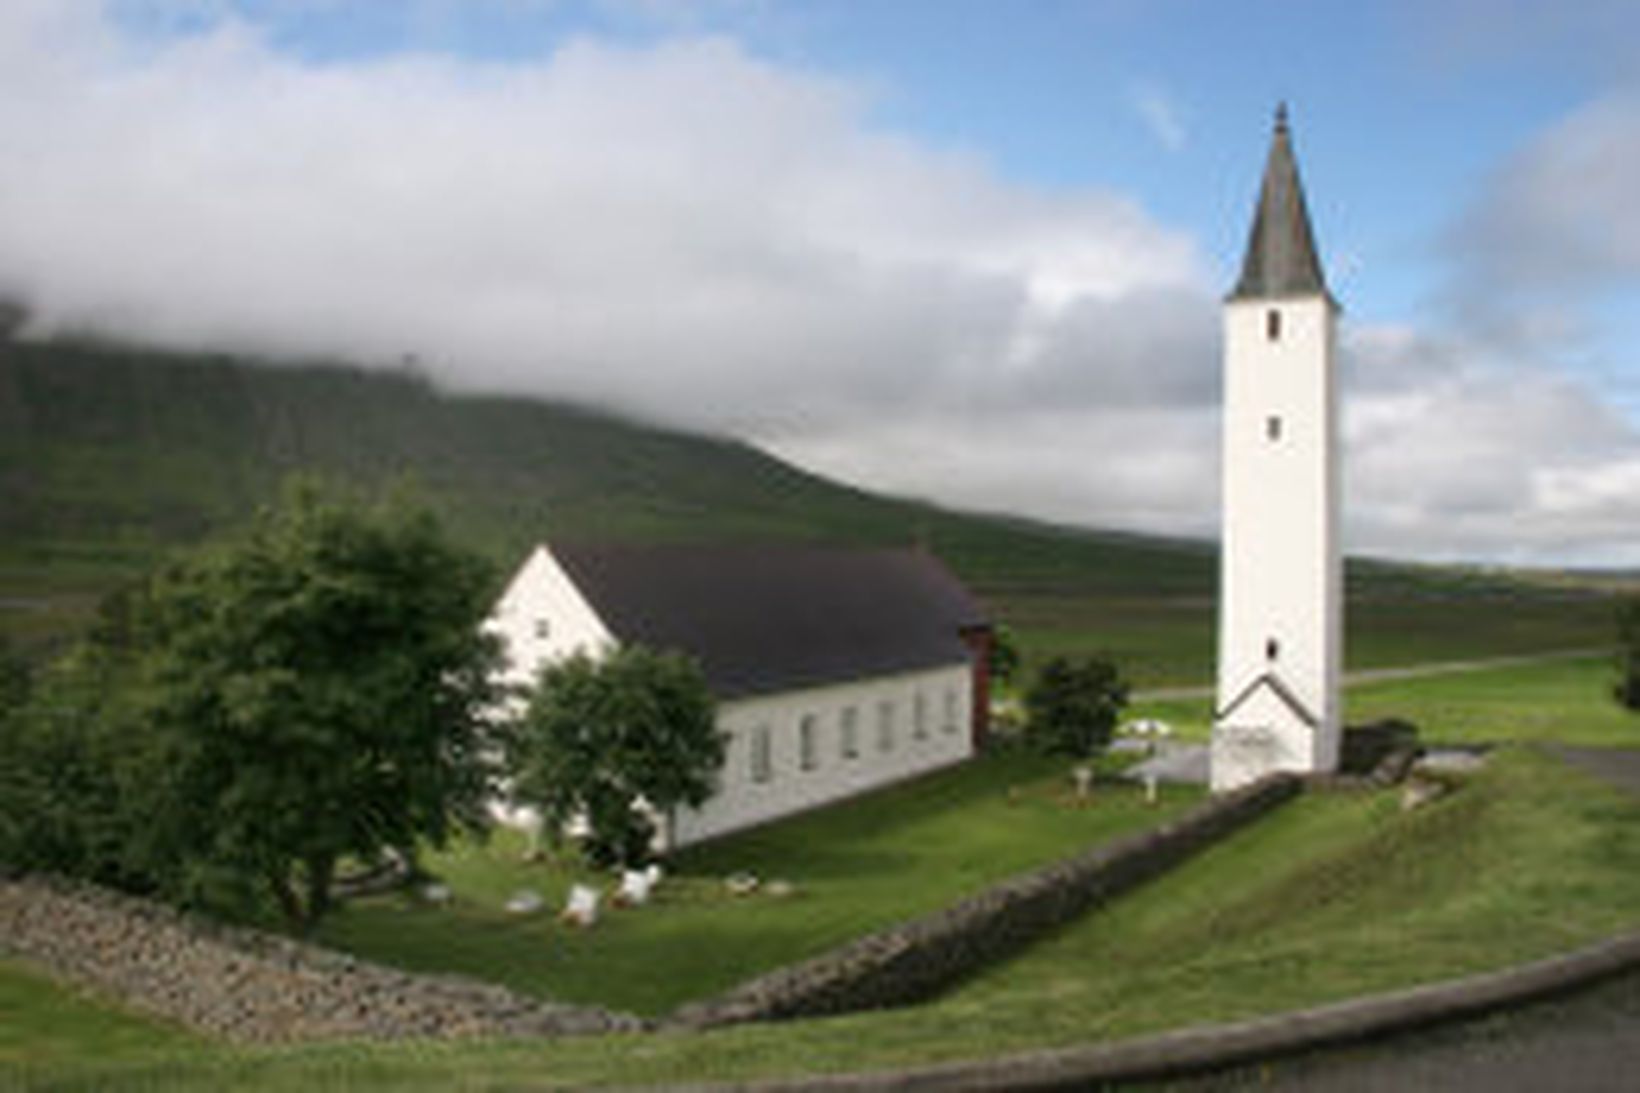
(1281, 575)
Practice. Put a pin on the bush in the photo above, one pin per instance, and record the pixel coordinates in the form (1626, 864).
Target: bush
(1627, 689)
(1073, 706)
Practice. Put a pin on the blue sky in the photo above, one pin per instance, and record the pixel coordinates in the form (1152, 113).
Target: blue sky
(970, 250)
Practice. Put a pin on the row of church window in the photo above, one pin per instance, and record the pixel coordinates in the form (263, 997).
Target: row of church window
(761, 754)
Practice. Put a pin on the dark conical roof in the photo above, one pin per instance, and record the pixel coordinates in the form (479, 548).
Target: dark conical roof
(1281, 258)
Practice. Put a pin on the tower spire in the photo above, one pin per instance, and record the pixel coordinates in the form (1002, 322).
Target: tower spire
(1281, 255)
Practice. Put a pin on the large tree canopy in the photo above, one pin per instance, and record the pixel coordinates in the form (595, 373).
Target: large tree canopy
(314, 688)
(600, 739)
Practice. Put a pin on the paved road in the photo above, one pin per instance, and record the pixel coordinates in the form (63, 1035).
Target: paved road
(1588, 1042)
(1412, 671)
(1620, 768)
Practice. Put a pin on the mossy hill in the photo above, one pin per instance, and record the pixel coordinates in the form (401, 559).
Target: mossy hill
(108, 455)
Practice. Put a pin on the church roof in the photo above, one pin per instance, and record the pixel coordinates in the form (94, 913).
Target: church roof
(1281, 255)
(762, 619)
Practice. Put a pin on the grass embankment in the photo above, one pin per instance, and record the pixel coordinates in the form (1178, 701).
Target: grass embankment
(1334, 895)
(870, 863)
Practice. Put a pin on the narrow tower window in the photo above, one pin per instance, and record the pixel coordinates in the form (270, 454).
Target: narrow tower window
(1272, 325)
(1272, 649)
(1272, 427)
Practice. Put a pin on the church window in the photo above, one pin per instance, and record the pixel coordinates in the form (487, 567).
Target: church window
(808, 750)
(1272, 649)
(848, 733)
(762, 755)
(951, 701)
(919, 716)
(885, 726)
(1272, 427)
(1272, 325)
(543, 628)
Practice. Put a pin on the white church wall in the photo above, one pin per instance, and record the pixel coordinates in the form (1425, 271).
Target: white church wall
(542, 617)
(795, 779)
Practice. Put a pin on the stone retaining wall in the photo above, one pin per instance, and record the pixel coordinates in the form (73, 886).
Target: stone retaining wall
(916, 959)
(252, 986)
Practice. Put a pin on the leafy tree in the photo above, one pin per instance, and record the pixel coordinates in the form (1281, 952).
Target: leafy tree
(15, 679)
(1627, 690)
(1073, 706)
(315, 688)
(1004, 655)
(75, 787)
(602, 739)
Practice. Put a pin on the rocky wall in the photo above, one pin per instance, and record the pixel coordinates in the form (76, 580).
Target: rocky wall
(252, 986)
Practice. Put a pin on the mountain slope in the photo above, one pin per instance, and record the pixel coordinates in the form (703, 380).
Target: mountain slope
(108, 455)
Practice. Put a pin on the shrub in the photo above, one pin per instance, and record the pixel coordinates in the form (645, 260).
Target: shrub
(1073, 706)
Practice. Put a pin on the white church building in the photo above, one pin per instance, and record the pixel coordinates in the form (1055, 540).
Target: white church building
(1281, 580)
(836, 671)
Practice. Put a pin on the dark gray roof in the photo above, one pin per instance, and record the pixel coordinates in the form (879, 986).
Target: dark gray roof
(1281, 256)
(770, 618)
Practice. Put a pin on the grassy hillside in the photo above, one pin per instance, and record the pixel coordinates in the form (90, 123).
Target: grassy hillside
(110, 455)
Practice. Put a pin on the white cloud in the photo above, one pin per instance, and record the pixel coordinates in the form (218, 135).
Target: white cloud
(690, 233)
(1454, 453)
(683, 231)
(1161, 116)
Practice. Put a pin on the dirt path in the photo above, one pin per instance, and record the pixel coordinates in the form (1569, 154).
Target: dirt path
(1410, 671)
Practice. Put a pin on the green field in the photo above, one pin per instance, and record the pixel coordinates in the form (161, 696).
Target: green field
(1565, 700)
(879, 860)
(1333, 895)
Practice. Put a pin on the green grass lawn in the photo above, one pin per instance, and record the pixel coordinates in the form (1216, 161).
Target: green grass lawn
(1333, 895)
(44, 1024)
(864, 865)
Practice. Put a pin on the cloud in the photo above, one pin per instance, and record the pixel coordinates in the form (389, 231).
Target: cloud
(1161, 116)
(684, 231)
(1456, 453)
(681, 231)
(1564, 213)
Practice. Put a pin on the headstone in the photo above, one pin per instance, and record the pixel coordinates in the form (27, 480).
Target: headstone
(581, 908)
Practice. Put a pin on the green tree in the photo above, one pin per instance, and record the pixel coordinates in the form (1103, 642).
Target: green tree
(1073, 706)
(75, 784)
(1004, 661)
(1627, 690)
(15, 679)
(601, 739)
(314, 688)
